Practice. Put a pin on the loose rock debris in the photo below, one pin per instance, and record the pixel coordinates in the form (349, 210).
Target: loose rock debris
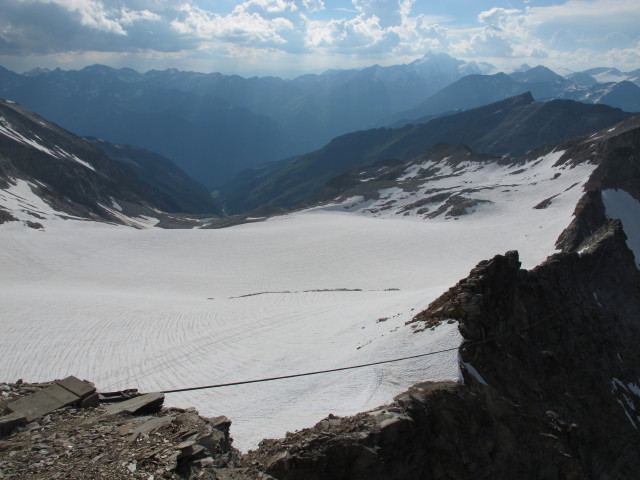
(52, 431)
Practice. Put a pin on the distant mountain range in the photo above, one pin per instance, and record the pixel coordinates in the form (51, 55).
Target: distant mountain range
(509, 127)
(215, 125)
(477, 90)
(95, 179)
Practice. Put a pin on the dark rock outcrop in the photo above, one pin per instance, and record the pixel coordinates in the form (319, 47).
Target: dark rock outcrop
(556, 341)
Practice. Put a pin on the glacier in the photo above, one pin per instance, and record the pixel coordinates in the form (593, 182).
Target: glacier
(159, 309)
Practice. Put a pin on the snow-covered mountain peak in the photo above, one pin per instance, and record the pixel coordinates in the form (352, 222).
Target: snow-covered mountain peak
(443, 64)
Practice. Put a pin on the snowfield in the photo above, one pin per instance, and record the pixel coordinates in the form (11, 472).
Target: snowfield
(160, 309)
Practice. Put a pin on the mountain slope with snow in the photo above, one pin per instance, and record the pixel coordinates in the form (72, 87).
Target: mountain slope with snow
(448, 183)
(66, 176)
(509, 127)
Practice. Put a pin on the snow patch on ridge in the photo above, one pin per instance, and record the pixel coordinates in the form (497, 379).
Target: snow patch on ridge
(82, 162)
(627, 392)
(474, 373)
(472, 187)
(21, 201)
(136, 222)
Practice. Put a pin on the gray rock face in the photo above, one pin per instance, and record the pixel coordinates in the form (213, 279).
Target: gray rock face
(575, 319)
(616, 153)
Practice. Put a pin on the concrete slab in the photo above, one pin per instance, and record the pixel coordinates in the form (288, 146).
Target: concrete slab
(134, 405)
(76, 386)
(43, 402)
(64, 396)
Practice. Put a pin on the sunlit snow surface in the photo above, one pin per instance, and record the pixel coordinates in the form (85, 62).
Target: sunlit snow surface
(159, 309)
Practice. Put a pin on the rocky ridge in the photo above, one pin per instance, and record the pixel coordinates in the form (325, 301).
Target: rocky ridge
(550, 367)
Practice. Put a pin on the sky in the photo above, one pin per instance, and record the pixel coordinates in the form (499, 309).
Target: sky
(291, 37)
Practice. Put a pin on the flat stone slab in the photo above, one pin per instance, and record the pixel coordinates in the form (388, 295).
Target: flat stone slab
(61, 394)
(76, 386)
(92, 400)
(151, 425)
(134, 405)
(43, 402)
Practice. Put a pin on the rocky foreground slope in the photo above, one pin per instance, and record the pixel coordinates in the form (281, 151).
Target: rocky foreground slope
(112, 440)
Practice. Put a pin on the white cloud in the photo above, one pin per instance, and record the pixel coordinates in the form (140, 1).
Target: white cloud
(381, 27)
(420, 34)
(388, 12)
(129, 17)
(251, 24)
(92, 13)
(342, 35)
(376, 29)
(558, 33)
(313, 5)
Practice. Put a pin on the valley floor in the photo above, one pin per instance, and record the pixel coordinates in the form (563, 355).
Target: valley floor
(158, 309)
